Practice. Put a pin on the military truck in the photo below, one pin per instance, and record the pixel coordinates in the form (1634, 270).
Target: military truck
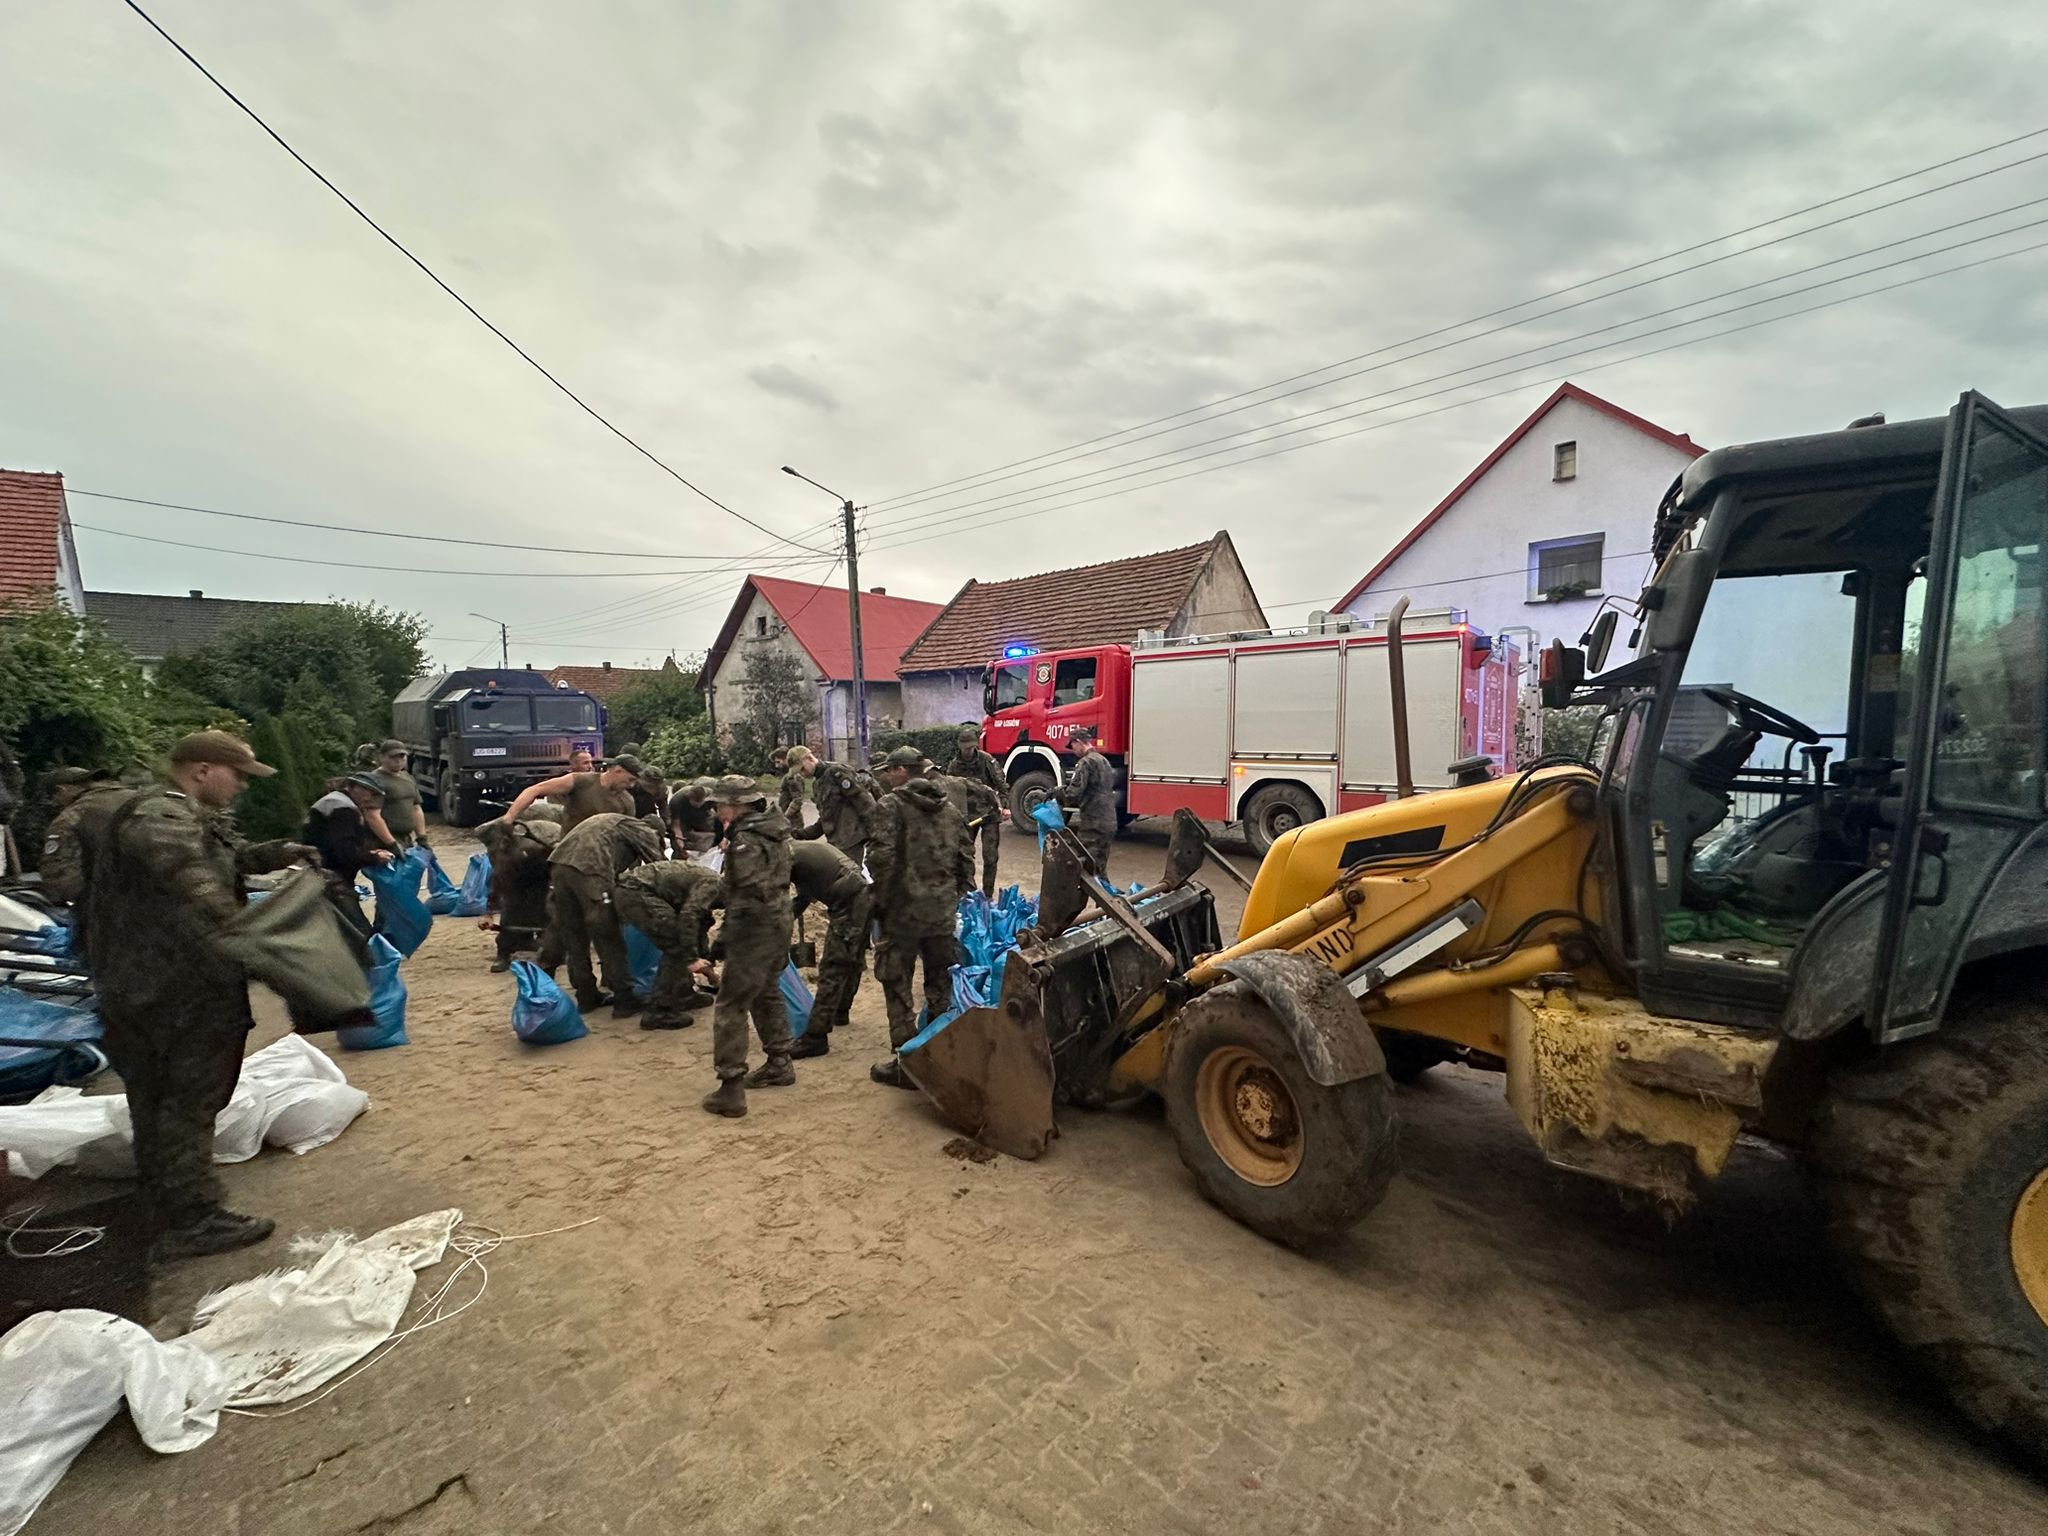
(475, 738)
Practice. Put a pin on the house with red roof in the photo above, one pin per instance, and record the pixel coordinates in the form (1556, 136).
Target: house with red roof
(1197, 589)
(38, 561)
(808, 624)
(1557, 515)
(604, 680)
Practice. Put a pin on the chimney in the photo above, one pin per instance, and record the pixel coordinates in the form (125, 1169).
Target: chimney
(607, 666)
(195, 592)
(879, 591)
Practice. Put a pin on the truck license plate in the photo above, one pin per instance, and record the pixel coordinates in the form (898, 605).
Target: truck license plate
(488, 752)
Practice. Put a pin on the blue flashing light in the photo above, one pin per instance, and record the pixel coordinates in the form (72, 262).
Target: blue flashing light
(1012, 652)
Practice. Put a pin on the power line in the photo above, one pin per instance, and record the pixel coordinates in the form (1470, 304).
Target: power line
(1187, 454)
(387, 533)
(1184, 453)
(392, 240)
(389, 569)
(981, 523)
(993, 478)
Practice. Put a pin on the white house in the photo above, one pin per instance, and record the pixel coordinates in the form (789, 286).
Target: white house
(1560, 513)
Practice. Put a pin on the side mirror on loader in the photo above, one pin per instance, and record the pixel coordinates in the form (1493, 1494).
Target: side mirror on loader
(1598, 639)
(1559, 673)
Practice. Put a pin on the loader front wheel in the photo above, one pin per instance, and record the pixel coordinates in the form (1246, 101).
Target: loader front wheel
(1933, 1161)
(1290, 1158)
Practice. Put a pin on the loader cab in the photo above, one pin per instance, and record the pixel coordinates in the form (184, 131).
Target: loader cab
(1822, 772)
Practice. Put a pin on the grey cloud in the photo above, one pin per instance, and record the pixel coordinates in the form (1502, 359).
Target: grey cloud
(781, 379)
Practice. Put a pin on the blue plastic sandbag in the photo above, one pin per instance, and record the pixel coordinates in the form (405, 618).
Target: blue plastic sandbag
(796, 999)
(643, 959)
(387, 1003)
(1048, 815)
(542, 1013)
(38, 1021)
(441, 892)
(401, 916)
(474, 898)
(26, 1070)
(53, 941)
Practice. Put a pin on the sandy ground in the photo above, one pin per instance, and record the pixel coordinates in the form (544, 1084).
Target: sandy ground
(814, 1320)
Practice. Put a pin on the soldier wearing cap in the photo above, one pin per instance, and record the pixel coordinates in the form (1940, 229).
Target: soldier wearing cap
(165, 884)
(977, 767)
(85, 798)
(671, 901)
(824, 875)
(582, 870)
(845, 807)
(610, 789)
(1090, 790)
(921, 867)
(402, 817)
(755, 938)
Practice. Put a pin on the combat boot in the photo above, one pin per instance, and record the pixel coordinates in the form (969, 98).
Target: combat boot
(626, 1004)
(812, 1042)
(890, 1073)
(663, 1020)
(217, 1231)
(590, 1002)
(775, 1072)
(728, 1099)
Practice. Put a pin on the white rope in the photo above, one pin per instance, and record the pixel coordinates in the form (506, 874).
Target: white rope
(473, 1240)
(70, 1240)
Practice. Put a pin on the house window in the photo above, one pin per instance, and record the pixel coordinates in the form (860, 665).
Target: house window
(1074, 681)
(761, 626)
(1565, 568)
(1564, 461)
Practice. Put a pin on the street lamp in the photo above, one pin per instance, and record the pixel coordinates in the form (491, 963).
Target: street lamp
(504, 644)
(860, 687)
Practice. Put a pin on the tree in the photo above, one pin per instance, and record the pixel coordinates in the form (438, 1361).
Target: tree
(778, 707)
(668, 697)
(685, 749)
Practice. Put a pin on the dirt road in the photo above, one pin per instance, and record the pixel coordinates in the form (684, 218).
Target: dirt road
(814, 1320)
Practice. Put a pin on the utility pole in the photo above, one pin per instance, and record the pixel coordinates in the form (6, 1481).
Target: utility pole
(860, 685)
(504, 638)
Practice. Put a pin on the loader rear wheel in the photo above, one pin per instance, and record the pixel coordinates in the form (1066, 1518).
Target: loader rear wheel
(1933, 1161)
(1291, 1159)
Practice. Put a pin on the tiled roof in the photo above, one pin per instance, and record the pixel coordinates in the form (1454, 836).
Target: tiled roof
(1565, 391)
(817, 620)
(31, 522)
(152, 627)
(1104, 604)
(602, 682)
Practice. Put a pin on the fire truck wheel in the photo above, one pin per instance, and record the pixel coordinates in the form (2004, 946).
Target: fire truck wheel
(1025, 792)
(1273, 811)
(1293, 1160)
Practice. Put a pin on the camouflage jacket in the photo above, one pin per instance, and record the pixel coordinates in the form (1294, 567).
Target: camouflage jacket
(974, 800)
(846, 812)
(606, 845)
(756, 877)
(519, 852)
(671, 903)
(1091, 789)
(978, 767)
(73, 841)
(919, 859)
(167, 879)
(822, 874)
(790, 799)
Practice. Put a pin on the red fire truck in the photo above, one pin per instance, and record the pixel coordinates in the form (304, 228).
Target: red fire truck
(1271, 729)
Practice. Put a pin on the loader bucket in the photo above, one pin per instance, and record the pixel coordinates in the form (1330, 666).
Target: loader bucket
(1063, 1018)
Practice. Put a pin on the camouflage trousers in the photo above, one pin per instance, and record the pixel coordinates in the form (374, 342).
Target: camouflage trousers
(1095, 841)
(896, 961)
(179, 1058)
(756, 949)
(673, 984)
(842, 962)
(580, 916)
(991, 835)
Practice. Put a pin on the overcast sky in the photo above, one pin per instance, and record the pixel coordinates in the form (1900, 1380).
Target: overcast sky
(904, 241)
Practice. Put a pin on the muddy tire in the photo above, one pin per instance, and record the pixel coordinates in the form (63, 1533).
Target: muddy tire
(1273, 811)
(1026, 790)
(455, 808)
(1933, 1162)
(1287, 1157)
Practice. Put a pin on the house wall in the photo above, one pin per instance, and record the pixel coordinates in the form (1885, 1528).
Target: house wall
(1477, 555)
(725, 691)
(835, 738)
(1220, 602)
(941, 698)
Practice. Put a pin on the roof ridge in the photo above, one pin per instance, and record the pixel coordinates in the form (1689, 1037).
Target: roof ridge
(1098, 565)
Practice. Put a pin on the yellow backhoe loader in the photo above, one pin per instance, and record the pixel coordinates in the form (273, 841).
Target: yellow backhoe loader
(1721, 920)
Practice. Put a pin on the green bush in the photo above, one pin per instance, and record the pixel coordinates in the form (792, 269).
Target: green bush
(687, 749)
(646, 704)
(936, 742)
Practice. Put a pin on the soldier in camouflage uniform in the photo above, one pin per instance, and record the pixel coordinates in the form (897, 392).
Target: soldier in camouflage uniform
(824, 875)
(755, 938)
(845, 810)
(519, 852)
(609, 789)
(165, 883)
(975, 765)
(589, 859)
(922, 867)
(671, 902)
(86, 798)
(791, 799)
(1090, 794)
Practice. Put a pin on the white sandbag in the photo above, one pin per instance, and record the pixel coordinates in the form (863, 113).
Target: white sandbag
(290, 1094)
(63, 1375)
(281, 1335)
